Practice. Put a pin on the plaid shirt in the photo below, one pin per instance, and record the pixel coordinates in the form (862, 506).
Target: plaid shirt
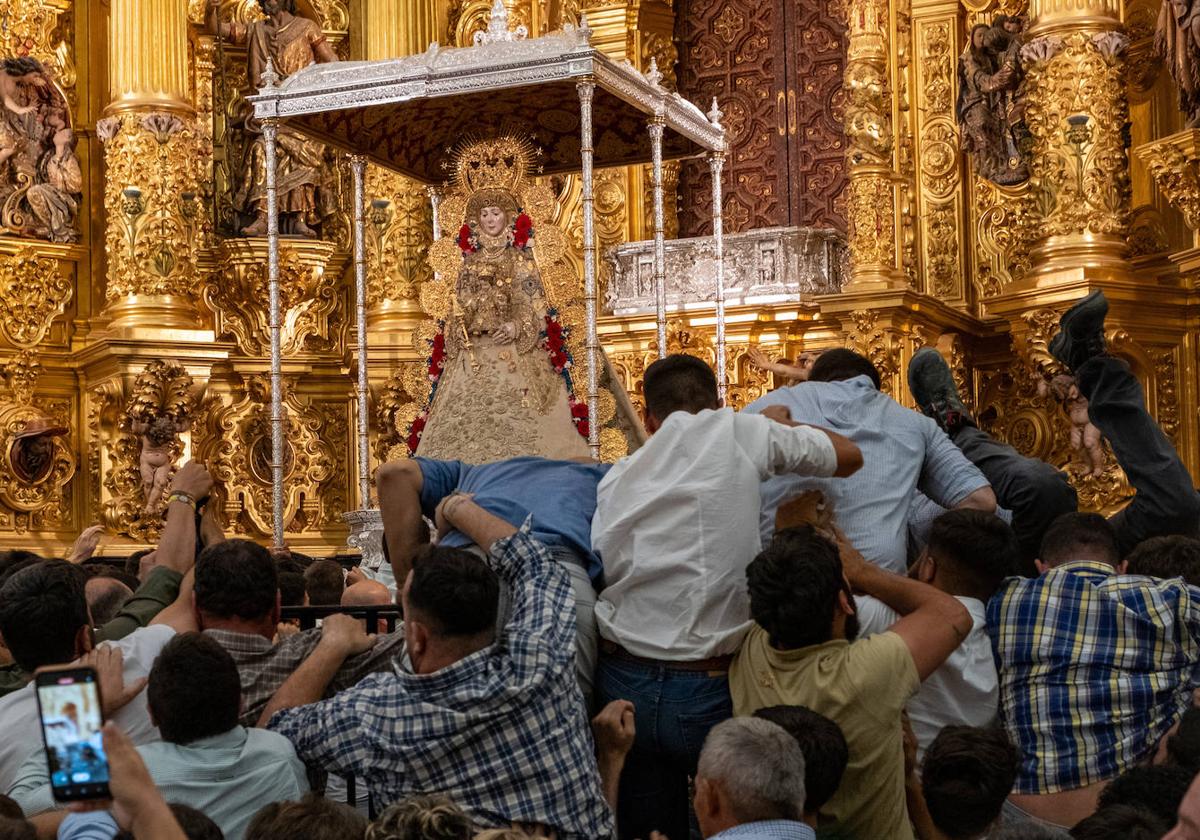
(502, 732)
(1094, 669)
(263, 665)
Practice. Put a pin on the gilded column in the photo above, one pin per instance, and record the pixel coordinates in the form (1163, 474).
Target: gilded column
(153, 169)
(871, 205)
(1078, 112)
(398, 210)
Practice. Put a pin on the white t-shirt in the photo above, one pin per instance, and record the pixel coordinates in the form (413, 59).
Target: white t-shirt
(22, 731)
(676, 525)
(964, 691)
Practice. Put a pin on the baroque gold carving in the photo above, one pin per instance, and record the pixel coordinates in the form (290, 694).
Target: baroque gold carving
(1077, 111)
(42, 29)
(1005, 227)
(309, 299)
(152, 199)
(939, 164)
(398, 235)
(33, 292)
(878, 343)
(868, 104)
(235, 442)
(33, 472)
(870, 210)
(1174, 164)
(162, 391)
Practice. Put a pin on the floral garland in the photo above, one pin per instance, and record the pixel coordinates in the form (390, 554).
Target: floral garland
(435, 364)
(554, 342)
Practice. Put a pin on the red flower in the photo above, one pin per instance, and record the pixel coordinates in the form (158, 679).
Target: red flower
(414, 433)
(522, 230)
(465, 240)
(579, 410)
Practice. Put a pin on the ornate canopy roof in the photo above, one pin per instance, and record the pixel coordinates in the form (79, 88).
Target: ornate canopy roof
(405, 113)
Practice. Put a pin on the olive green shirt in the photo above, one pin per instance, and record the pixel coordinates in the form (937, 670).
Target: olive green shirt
(158, 592)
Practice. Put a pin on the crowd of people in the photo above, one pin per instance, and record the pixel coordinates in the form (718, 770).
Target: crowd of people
(823, 616)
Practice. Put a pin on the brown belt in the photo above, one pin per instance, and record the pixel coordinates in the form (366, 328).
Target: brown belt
(713, 663)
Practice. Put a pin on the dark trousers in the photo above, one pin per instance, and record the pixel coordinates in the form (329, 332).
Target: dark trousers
(673, 712)
(1166, 502)
(1033, 490)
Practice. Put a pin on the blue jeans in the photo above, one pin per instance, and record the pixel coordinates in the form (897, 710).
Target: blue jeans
(673, 711)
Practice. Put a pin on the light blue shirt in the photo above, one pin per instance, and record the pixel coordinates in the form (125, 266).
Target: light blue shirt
(227, 777)
(903, 451)
(767, 830)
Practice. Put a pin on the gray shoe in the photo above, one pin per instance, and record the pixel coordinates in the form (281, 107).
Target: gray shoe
(932, 386)
(1081, 332)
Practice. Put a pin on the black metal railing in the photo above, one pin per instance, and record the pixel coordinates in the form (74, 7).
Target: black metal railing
(309, 616)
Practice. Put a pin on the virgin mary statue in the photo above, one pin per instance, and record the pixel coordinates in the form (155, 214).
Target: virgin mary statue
(502, 360)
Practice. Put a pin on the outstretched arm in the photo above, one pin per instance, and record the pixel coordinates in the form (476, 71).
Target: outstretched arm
(399, 484)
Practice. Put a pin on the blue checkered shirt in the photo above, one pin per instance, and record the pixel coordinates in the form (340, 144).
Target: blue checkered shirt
(767, 830)
(502, 732)
(1094, 669)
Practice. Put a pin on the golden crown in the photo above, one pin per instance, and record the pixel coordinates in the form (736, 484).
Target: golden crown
(501, 163)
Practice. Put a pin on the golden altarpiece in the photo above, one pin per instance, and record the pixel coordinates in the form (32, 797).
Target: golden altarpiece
(133, 316)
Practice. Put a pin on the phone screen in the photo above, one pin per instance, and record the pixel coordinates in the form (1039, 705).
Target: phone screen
(69, 706)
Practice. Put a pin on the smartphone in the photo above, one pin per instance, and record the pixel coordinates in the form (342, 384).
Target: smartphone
(70, 713)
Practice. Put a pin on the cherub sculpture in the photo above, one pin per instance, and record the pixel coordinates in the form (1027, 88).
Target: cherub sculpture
(158, 453)
(1085, 438)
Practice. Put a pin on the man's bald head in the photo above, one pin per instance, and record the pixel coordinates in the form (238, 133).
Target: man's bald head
(105, 597)
(366, 593)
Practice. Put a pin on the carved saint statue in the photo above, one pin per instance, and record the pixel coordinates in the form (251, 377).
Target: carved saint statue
(991, 102)
(1177, 41)
(498, 394)
(158, 452)
(32, 450)
(292, 42)
(40, 176)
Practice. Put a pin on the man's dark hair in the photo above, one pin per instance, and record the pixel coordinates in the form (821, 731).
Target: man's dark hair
(9, 808)
(133, 563)
(1183, 748)
(975, 551)
(840, 364)
(108, 570)
(1157, 789)
(312, 818)
(324, 581)
(14, 561)
(16, 829)
(824, 747)
(236, 579)
(42, 608)
(430, 816)
(454, 591)
(1167, 557)
(967, 774)
(679, 382)
(291, 589)
(1124, 821)
(105, 606)
(1024, 831)
(195, 825)
(1075, 534)
(194, 689)
(794, 585)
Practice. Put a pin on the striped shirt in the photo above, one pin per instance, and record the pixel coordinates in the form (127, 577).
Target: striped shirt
(1094, 669)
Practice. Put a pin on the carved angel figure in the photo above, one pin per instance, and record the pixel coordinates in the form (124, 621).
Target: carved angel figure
(1177, 42)
(1085, 438)
(158, 452)
(292, 42)
(990, 105)
(40, 177)
(500, 392)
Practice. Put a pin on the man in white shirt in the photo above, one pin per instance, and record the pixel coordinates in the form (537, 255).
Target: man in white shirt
(676, 524)
(45, 621)
(969, 554)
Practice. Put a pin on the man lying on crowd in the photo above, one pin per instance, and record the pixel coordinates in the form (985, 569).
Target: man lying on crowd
(804, 651)
(560, 496)
(902, 452)
(825, 755)
(1094, 697)
(44, 620)
(750, 783)
(160, 589)
(205, 759)
(1166, 501)
(237, 603)
(491, 719)
(969, 554)
(676, 523)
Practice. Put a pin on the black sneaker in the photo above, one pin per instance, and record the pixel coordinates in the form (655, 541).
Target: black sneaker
(1081, 332)
(932, 386)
